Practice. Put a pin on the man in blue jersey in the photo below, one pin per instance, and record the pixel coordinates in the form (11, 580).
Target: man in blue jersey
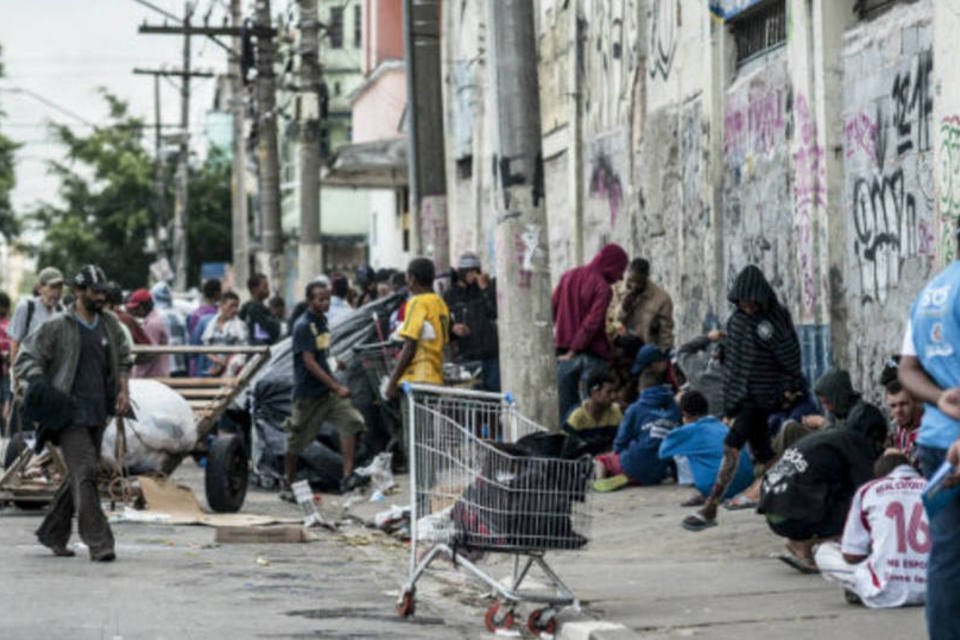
(930, 371)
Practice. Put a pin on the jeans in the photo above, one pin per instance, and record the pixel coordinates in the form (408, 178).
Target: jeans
(943, 567)
(490, 373)
(572, 377)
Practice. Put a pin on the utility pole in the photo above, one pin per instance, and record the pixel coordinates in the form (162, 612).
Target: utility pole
(525, 320)
(181, 199)
(309, 246)
(238, 192)
(269, 169)
(159, 219)
(428, 178)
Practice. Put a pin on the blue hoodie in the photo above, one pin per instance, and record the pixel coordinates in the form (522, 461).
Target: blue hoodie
(644, 425)
(702, 443)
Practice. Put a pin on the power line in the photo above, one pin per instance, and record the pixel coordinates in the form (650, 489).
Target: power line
(50, 103)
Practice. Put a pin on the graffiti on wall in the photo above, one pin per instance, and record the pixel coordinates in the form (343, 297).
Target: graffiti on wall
(887, 156)
(949, 183)
(605, 183)
(809, 195)
(697, 280)
(610, 32)
(605, 174)
(664, 18)
(758, 185)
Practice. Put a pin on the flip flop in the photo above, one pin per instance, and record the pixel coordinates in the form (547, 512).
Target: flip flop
(605, 485)
(798, 564)
(696, 522)
(739, 503)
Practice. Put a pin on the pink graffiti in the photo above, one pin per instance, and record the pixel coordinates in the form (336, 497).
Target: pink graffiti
(754, 127)
(926, 242)
(860, 134)
(809, 192)
(605, 182)
(524, 276)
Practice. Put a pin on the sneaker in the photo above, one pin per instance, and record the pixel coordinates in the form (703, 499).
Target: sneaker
(611, 484)
(353, 481)
(287, 496)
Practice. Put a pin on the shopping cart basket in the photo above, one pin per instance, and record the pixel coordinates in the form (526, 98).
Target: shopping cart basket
(473, 490)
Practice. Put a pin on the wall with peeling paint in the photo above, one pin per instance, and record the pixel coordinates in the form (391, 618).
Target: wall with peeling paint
(889, 199)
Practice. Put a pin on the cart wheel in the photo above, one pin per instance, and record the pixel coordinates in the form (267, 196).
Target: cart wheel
(406, 605)
(538, 627)
(494, 620)
(227, 474)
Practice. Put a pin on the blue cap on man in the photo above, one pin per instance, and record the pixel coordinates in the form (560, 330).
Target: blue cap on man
(646, 356)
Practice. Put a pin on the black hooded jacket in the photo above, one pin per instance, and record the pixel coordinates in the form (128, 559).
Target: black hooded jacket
(815, 479)
(762, 352)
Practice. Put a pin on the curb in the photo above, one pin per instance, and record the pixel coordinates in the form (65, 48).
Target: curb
(595, 630)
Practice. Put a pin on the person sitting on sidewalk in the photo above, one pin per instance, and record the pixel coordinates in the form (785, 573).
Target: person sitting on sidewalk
(317, 396)
(906, 414)
(881, 560)
(838, 398)
(596, 420)
(635, 458)
(700, 440)
(701, 362)
(805, 496)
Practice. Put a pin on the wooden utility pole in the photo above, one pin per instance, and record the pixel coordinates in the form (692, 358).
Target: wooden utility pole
(525, 317)
(428, 178)
(269, 169)
(181, 197)
(309, 246)
(240, 232)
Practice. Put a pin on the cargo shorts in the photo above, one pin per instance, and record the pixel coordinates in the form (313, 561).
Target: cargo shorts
(309, 414)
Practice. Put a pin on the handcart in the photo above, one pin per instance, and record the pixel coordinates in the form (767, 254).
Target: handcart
(473, 491)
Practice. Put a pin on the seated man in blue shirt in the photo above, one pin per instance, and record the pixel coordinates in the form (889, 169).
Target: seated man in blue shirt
(700, 440)
(635, 459)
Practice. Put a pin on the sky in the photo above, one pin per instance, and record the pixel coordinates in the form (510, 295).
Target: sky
(63, 50)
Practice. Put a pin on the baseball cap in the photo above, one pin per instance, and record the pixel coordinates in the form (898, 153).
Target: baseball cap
(647, 355)
(468, 260)
(50, 275)
(91, 277)
(139, 297)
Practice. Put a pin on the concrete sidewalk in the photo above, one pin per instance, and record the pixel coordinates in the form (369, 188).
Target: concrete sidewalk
(644, 571)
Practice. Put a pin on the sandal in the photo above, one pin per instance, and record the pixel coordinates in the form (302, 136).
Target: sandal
(606, 485)
(696, 522)
(740, 502)
(696, 500)
(799, 564)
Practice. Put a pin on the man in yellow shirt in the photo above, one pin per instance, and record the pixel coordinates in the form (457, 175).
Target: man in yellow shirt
(597, 419)
(425, 331)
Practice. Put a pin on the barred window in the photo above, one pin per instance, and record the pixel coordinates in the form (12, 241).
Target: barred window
(759, 30)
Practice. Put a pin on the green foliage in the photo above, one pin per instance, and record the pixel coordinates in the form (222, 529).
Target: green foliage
(9, 223)
(109, 202)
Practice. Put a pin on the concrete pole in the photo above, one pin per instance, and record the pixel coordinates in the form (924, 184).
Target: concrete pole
(271, 256)
(238, 192)
(181, 200)
(159, 220)
(428, 180)
(527, 363)
(309, 246)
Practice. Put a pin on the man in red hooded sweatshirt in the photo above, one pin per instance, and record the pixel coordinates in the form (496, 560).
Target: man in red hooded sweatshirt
(580, 304)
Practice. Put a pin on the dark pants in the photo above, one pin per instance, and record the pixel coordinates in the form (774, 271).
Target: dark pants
(943, 567)
(78, 493)
(572, 377)
(750, 426)
(491, 374)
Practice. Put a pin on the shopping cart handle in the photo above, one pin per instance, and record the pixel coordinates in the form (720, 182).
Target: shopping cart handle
(405, 387)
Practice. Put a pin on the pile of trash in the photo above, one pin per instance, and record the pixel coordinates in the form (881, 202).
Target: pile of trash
(270, 404)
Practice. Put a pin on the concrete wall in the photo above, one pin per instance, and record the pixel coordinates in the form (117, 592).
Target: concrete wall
(889, 199)
(379, 107)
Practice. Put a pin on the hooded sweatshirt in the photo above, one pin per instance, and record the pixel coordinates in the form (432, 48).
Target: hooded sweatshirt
(580, 303)
(762, 352)
(702, 444)
(645, 424)
(836, 388)
(815, 479)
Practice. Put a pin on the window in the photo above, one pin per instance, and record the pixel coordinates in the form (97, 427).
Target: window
(759, 30)
(336, 27)
(871, 8)
(357, 27)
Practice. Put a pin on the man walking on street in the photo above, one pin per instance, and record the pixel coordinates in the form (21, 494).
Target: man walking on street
(472, 302)
(262, 326)
(82, 354)
(580, 304)
(317, 396)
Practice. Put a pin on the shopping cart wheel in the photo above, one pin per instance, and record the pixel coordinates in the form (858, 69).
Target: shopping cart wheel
(496, 620)
(406, 605)
(542, 622)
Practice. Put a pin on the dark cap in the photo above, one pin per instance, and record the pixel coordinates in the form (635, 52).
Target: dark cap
(647, 355)
(91, 277)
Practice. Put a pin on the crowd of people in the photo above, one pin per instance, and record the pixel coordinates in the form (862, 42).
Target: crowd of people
(729, 413)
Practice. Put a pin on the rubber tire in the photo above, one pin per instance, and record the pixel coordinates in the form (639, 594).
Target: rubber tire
(14, 448)
(228, 471)
(493, 622)
(537, 629)
(407, 605)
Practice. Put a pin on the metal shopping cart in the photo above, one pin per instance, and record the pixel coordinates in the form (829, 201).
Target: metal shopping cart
(474, 490)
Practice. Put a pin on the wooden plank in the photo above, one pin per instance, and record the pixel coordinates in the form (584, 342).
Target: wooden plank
(261, 535)
(198, 350)
(191, 394)
(178, 383)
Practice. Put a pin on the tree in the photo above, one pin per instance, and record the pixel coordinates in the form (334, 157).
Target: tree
(9, 223)
(107, 190)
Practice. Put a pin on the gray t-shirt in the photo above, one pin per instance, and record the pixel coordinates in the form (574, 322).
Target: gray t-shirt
(18, 329)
